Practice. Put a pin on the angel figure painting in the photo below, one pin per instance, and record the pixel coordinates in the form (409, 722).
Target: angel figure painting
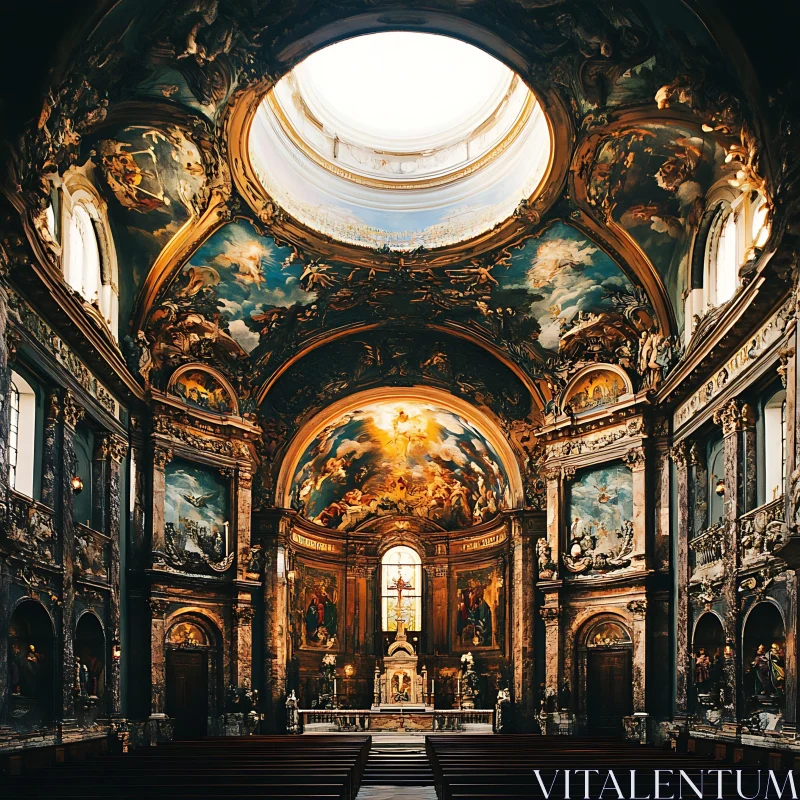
(196, 513)
(600, 536)
(399, 458)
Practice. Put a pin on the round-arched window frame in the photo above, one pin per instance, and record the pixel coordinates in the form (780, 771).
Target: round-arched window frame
(401, 566)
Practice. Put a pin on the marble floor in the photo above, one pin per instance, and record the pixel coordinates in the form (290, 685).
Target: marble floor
(396, 793)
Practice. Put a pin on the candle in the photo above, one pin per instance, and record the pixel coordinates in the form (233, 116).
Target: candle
(226, 525)
(334, 687)
(459, 685)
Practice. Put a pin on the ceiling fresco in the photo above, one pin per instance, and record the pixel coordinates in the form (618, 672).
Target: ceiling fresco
(651, 180)
(215, 274)
(399, 458)
(246, 301)
(156, 181)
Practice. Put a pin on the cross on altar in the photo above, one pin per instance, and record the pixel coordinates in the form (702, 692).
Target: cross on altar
(400, 585)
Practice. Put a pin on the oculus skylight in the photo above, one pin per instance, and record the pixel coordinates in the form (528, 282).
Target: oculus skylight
(400, 140)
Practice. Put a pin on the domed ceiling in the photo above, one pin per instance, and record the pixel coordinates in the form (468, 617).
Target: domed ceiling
(401, 458)
(401, 141)
(483, 198)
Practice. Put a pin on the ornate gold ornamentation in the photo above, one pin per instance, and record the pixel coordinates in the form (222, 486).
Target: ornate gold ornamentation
(638, 608)
(161, 457)
(243, 614)
(73, 412)
(734, 416)
(117, 448)
(549, 614)
(158, 607)
(696, 456)
(680, 454)
(635, 458)
(784, 355)
(552, 473)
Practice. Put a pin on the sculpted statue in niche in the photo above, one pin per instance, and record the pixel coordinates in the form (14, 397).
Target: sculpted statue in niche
(547, 567)
(768, 671)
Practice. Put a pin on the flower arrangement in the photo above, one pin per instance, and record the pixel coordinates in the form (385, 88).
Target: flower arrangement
(328, 668)
(469, 677)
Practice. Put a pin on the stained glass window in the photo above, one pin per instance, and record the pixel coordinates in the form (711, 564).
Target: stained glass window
(401, 566)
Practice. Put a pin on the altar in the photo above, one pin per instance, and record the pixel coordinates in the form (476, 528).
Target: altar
(402, 687)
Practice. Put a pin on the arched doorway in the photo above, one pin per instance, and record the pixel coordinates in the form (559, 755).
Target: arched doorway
(605, 665)
(191, 677)
(31, 666)
(764, 657)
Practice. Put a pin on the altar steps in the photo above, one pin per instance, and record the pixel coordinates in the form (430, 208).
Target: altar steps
(400, 764)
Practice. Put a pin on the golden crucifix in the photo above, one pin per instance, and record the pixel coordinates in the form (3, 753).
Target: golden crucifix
(400, 585)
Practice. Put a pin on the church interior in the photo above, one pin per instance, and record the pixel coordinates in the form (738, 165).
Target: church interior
(374, 367)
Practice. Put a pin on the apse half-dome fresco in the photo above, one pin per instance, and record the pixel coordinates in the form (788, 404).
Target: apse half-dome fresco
(399, 458)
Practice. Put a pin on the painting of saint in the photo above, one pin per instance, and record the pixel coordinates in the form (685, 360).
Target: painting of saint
(477, 608)
(202, 390)
(319, 597)
(196, 512)
(600, 514)
(399, 458)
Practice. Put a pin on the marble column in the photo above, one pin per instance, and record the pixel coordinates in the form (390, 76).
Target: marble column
(72, 414)
(638, 609)
(734, 418)
(439, 593)
(550, 613)
(50, 452)
(555, 505)
(276, 631)
(243, 505)
(5, 577)
(100, 480)
(5, 614)
(522, 646)
(636, 461)
(117, 450)
(242, 661)
(158, 666)
(680, 457)
(161, 457)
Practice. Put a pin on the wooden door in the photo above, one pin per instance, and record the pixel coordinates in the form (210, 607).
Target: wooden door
(609, 691)
(187, 692)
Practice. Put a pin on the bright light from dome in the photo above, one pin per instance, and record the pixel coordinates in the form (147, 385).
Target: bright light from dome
(400, 140)
(403, 85)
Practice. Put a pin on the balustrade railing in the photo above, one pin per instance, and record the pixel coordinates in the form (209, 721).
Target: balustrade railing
(359, 719)
(92, 553)
(31, 526)
(709, 546)
(761, 529)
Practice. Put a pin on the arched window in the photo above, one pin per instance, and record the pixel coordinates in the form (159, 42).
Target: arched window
(88, 256)
(737, 230)
(775, 446)
(84, 268)
(21, 435)
(401, 565)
